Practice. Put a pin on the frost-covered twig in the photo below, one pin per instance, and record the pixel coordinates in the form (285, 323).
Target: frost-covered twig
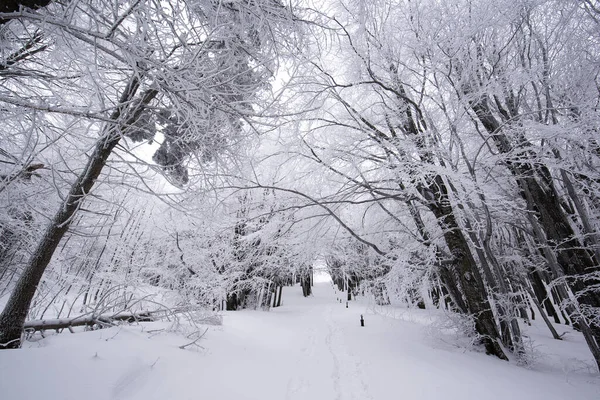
(194, 342)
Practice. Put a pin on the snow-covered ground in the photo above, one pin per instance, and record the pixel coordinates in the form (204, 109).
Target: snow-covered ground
(310, 348)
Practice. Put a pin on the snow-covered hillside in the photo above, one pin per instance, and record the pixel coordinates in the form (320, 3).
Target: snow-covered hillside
(310, 348)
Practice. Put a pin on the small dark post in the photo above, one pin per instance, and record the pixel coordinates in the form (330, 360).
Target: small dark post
(346, 304)
(362, 321)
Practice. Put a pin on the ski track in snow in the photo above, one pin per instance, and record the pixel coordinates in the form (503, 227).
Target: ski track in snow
(323, 344)
(298, 385)
(349, 383)
(129, 382)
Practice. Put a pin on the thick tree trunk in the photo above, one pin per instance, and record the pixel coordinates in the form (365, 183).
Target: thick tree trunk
(542, 199)
(453, 297)
(570, 257)
(15, 312)
(464, 267)
(558, 301)
(306, 288)
(462, 274)
(446, 276)
(434, 294)
(510, 332)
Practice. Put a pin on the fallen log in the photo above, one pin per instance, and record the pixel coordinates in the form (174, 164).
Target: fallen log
(87, 320)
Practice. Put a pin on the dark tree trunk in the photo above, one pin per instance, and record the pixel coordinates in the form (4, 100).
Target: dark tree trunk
(237, 299)
(557, 301)
(446, 276)
(543, 201)
(453, 297)
(273, 297)
(279, 296)
(306, 287)
(461, 273)
(510, 332)
(464, 267)
(15, 312)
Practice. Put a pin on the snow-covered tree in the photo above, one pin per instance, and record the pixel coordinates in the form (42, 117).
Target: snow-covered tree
(189, 75)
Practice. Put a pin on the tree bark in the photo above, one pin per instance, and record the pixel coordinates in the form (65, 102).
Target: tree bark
(462, 275)
(464, 267)
(542, 200)
(14, 314)
(448, 280)
(90, 320)
(572, 260)
(306, 288)
(510, 332)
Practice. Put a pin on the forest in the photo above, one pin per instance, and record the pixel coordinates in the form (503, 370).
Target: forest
(197, 156)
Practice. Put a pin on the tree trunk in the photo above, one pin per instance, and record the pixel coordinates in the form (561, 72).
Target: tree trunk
(447, 278)
(570, 257)
(464, 267)
(15, 312)
(541, 294)
(306, 288)
(279, 296)
(590, 333)
(555, 334)
(557, 301)
(510, 332)
(542, 200)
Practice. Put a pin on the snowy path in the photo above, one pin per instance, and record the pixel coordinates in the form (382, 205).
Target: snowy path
(310, 349)
(347, 374)
(326, 368)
